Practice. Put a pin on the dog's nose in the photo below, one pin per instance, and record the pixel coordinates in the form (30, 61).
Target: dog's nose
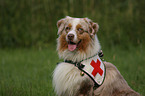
(70, 36)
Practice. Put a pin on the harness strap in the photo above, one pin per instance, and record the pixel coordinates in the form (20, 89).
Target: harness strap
(77, 64)
(80, 66)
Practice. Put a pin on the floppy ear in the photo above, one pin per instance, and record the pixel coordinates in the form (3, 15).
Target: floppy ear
(93, 27)
(60, 26)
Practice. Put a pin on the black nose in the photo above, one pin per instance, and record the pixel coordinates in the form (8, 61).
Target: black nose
(70, 36)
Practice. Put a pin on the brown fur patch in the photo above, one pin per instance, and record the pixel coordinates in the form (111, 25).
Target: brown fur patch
(63, 43)
(85, 87)
(85, 41)
(80, 29)
(78, 26)
(117, 92)
(70, 25)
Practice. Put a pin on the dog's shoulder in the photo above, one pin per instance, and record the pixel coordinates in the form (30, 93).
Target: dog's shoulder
(109, 65)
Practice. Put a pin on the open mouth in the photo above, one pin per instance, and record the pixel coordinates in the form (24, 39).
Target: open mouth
(72, 46)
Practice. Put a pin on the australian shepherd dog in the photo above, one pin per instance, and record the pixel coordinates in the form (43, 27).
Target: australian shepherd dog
(78, 42)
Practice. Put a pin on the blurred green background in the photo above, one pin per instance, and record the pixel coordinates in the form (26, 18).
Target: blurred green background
(26, 23)
(28, 35)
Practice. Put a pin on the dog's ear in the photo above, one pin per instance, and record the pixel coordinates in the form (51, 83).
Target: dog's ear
(61, 24)
(93, 27)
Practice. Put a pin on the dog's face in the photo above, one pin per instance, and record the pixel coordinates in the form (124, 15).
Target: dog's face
(76, 34)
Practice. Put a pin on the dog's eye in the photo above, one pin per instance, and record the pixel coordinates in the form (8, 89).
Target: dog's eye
(67, 28)
(80, 30)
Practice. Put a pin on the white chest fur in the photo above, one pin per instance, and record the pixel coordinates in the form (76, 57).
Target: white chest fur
(67, 77)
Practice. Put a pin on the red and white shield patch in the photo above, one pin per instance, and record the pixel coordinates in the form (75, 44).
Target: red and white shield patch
(95, 68)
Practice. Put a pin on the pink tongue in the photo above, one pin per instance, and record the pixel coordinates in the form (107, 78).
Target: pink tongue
(71, 47)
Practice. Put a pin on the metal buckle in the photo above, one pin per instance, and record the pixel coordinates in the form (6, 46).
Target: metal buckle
(79, 65)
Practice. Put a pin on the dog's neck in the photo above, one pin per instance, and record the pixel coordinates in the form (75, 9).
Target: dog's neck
(77, 56)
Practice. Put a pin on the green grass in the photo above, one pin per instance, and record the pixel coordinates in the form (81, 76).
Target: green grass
(28, 72)
(130, 63)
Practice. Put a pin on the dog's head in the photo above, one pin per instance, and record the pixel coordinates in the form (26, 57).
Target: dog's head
(76, 35)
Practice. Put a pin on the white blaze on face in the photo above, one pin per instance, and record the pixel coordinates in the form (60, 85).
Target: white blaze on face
(74, 23)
